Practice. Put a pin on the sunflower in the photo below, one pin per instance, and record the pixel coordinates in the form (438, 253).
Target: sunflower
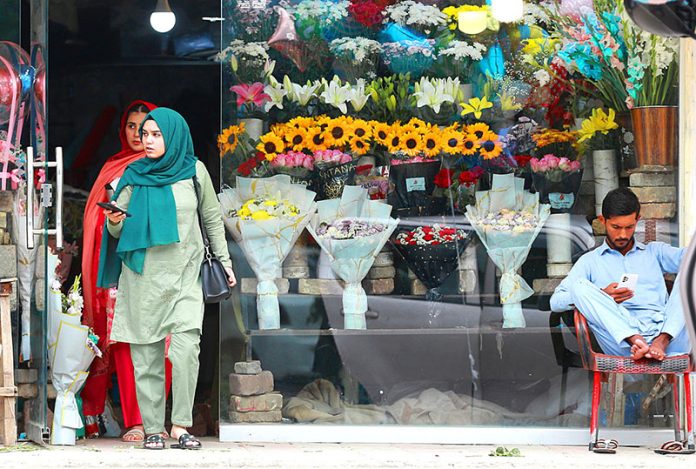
(380, 132)
(359, 146)
(431, 143)
(490, 147)
(478, 129)
(314, 139)
(411, 143)
(229, 138)
(417, 124)
(270, 145)
(470, 145)
(361, 129)
(395, 139)
(301, 122)
(296, 138)
(451, 141)
(337, 132)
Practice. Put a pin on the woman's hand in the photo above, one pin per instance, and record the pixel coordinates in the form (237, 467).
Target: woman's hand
(231, 279)
(114, 217)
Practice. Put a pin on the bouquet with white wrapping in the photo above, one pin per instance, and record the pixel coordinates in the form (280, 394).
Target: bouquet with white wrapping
(508, 219)
(351, 231)
(71, 349)
(265, 217)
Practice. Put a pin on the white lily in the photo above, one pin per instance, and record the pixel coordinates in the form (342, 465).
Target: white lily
(287, 84)
(432, 94)
(451, 87)
(358, 96)
(302, 94)
(276, 93)
(336, 95)
(268, 68)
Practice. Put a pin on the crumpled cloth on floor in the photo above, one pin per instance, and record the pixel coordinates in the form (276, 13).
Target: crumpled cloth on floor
(320, 402)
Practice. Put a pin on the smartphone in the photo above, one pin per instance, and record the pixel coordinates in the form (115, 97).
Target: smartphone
(628, 281)
(113, 208)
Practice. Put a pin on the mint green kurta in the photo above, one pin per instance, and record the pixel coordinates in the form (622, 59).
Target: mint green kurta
(167, 297)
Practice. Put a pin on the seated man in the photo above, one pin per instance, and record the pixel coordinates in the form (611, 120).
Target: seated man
(644, 323)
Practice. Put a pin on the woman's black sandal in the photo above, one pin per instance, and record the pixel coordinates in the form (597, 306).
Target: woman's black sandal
(187, 441)
(154, 442)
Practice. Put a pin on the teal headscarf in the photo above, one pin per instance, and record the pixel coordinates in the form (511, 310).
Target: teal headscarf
(152, 205)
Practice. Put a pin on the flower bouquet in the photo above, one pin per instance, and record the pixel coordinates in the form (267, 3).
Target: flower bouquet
(413, 183)
(407, 56)
(432, 253)
(249, 61)
(507, 219)
(425, 19)
(265, 217)
(71, 349)
(456, 59)
(299, 166)
(253, 19)
(557, 180)
(465, 184)
(351, 231)
(315, 19)
(334, 169)
(355, 58)
(251, 100)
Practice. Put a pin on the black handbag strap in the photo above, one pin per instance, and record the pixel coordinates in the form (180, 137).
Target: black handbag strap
(204, 233)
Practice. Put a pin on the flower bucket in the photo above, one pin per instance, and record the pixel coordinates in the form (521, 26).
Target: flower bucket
(606, 175)
(655, 132)
(415, 64)
(254, 128)
(413, 185)
(560, 195)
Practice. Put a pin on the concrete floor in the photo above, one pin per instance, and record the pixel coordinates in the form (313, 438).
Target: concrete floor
(114, 454)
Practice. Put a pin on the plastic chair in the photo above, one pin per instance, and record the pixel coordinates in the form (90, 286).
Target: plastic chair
(603, 365)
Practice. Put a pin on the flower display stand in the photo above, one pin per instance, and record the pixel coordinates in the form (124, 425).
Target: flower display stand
(380, 277)
(656, 189)
(296, 264)
(606, 177)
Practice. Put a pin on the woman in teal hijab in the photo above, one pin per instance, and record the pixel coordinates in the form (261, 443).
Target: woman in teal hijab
(154, 256)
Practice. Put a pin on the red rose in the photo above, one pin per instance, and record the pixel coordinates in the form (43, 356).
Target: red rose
(368, 13)
(443, 179)
(522, 160)
(247, 167)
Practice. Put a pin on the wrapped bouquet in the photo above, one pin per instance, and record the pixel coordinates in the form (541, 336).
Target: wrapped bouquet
(432, 253)
(351, 231)
(334, 169)
(557, 180)
(507, 219)
(71, 349)
(265, 217)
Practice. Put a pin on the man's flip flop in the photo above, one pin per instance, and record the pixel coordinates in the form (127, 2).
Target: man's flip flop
(605, 446)
(187, 441)
(674, 447)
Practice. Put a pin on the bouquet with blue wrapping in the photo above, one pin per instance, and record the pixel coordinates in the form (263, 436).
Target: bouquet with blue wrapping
(265, 217)
(352, 230)
(507, 220)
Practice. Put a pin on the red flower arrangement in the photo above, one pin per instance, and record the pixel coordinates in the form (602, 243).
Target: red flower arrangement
(369, 13)
(435, 234)
(470, 177)
(443, 179)
(522, 160)
(252, 165)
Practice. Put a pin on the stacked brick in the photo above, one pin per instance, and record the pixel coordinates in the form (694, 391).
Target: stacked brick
(380, 277)
(656, 189)
(252, 399)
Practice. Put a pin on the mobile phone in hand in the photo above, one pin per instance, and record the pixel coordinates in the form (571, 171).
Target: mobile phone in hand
(628, 281)
(113, 208)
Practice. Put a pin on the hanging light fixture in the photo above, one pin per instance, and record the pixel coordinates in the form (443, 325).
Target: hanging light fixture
(472, 21)
(507, 11)
(162, 19)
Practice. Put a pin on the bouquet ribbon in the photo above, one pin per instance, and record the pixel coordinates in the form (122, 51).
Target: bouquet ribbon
(267, 304)
(354, 306)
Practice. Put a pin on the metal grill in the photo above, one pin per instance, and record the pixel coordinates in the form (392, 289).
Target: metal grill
(614, 364)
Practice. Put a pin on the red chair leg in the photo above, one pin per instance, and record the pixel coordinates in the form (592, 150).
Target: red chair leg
(674, 379)
(594, 418)
(689, 412)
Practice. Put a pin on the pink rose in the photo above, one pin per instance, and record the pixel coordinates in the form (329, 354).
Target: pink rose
(279, 160)
(564, 163)
(551, 161)
(534, 164)
(308, 163)
(575, 166)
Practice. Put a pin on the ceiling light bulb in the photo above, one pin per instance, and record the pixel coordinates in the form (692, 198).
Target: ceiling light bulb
(473, 21)
(162, 19)
(507, 11)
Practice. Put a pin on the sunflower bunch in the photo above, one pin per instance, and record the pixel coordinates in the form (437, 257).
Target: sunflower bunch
(559, 142)
(471, 140)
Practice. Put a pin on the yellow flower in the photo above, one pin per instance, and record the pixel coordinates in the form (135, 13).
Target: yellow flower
(315, 139)
(471, 144)
(359, 146)
(296, 138)
(270, 145)
(599, 121)
(431, 143)
(478, 129)
(337, 132)
(394, 140)
(491, 146)
(411, 143)
(451, 141)
(261, 215)
(476, 106)
(381, 132)
(361, 129)
(270, 203)
(229, 138)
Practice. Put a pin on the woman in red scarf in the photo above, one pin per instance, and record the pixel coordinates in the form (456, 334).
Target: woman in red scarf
(99, 303)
